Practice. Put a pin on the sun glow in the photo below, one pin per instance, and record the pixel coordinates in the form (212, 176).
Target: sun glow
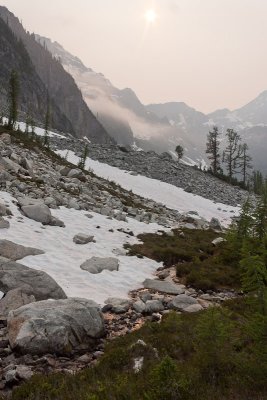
(150, 16)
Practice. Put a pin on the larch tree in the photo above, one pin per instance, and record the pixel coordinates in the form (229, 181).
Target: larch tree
(213, 150)
(232, 153)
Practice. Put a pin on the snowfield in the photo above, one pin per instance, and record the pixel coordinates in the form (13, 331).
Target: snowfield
(171, 196)
(62, 258)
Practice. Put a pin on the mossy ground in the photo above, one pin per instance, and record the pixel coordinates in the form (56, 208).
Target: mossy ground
(198, 262)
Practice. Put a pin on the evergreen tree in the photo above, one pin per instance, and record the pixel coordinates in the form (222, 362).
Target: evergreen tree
(27, 124)
(232, 153)
(47, 124)
(213, 149)
(83, 158)
(13, 99)
(180, 152)
(245, 163)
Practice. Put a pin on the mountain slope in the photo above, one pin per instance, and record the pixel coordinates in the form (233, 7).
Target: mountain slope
(60, 85)
(32, 93)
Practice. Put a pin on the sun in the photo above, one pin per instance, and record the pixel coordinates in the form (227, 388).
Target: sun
(150, 16)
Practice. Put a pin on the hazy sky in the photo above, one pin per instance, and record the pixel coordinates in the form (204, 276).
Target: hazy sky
(208, 53)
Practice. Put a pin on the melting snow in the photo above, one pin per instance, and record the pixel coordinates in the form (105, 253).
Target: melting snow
(62, 258)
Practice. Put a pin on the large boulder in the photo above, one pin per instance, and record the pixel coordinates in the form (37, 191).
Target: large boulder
(14, 299)
(163, 286)
(38, 212)
(14, 251)
(61, 327)
(95, 265)
(184, 302)
(32, 282)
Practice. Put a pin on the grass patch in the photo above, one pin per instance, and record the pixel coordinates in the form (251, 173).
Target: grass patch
(213, 354)
(198, 263)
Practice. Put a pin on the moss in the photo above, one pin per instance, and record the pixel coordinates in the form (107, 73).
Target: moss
(198, 263)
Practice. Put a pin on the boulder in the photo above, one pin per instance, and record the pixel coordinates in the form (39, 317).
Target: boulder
(182, 302)
(32, 282)
(119, 306)
(14, 251)
(139, 306)
(95, 265)
(215, 225)
(163, 286)
(4, 224)
(3, 210)
(6, 138)
(218, 241)
(61, 327)
(81, 238)
(39, 212)
(14, 299)
(76, 173)
(153, 306)
(28, 201)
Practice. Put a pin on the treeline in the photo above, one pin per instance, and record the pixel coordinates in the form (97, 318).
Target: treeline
(234, 163)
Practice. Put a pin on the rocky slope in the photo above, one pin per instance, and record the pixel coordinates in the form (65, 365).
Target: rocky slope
(62, 237)
(63, 92)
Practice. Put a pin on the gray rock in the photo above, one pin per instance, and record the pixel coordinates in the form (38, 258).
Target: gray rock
(60, 327)
(193, 308)
(215, 224)
(96, 265)
(14, 299)
(163, 286)
(56, 222)
(11, 376)
(6, 138)
(3, 210)
(14, 251)
(81, 238)
(76, 173)
(119, 306)
(145, 296)
(182, 301)
(28, 201)
(32, 282)
(139, 306)
(23, 372)
(153, 306)
(39, 212)
(4, 224)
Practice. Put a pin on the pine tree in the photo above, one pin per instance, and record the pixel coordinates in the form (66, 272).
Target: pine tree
(213, 149)
(232, 153)
(245, 163)
(13, 99)
(27, 124)
(47, 124)
(83, 158)
(180, 152)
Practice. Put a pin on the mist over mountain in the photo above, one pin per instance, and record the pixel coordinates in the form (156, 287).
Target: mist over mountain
(71, 112)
